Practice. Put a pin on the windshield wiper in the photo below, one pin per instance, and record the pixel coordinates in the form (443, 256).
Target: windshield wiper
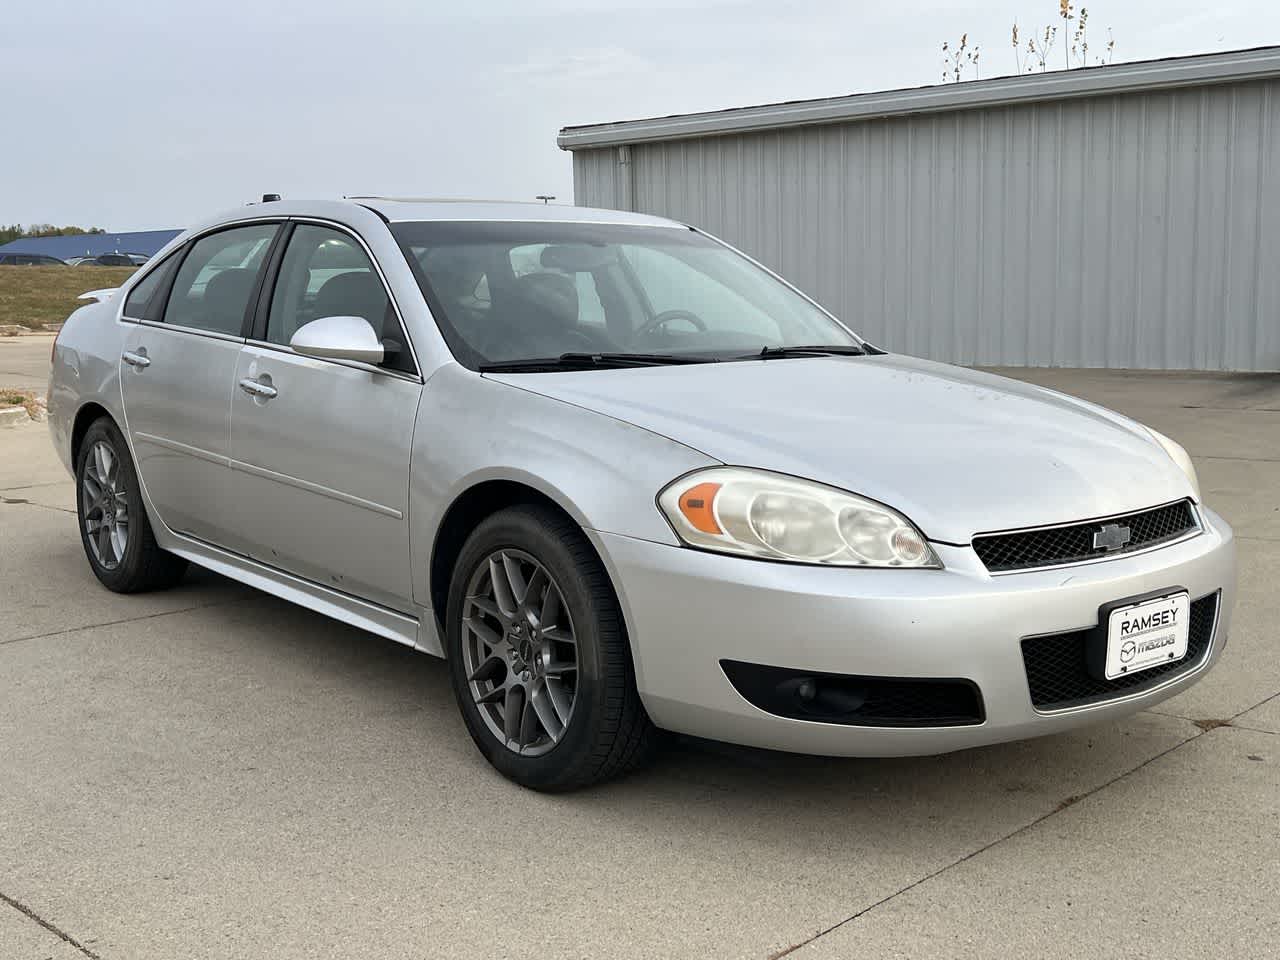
(808, 350)
(588, 361)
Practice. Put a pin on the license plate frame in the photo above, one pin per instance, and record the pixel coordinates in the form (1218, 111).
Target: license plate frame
(1136, 634)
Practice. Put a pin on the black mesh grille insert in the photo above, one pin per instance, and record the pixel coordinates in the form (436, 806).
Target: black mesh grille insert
(1048, 547)
(856, 700)
(1058, 671)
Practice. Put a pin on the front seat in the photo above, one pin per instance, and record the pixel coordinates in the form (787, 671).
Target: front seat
(355, 294)
(359, 293)
(226, 297)
(533, 317)
(554, 296)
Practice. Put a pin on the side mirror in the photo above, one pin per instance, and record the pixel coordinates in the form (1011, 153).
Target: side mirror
(339, 338)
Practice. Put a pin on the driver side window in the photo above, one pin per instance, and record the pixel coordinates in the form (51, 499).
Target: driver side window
(325, 273)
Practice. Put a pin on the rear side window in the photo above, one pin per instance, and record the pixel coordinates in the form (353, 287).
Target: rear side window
(212, 288)
(138, 305)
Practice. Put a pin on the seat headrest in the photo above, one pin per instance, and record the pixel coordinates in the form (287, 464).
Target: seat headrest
(555, 294)
(355, 294)
(226, 296)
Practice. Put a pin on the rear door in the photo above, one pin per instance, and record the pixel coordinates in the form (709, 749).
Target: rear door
(321, 458)
(178, 371)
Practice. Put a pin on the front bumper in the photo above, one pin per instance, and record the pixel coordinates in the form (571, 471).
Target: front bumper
(688, 610)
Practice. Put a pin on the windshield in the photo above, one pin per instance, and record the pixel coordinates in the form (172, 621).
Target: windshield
(513, 291)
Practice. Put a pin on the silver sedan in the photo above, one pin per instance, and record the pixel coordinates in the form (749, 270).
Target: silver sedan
(627, 480)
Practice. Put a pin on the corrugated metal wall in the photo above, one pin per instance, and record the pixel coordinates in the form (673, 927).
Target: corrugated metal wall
(1133, 231)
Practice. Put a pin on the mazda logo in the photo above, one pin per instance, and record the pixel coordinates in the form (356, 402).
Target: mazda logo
(1127, 651)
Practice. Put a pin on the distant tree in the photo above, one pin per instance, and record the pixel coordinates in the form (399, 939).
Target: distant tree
(16, 231)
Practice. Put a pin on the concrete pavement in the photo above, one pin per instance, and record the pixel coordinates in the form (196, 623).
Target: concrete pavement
(24, 361)
(210, 772)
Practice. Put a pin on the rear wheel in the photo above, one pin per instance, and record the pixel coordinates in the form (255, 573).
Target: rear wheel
(538, 655)
(114, 528)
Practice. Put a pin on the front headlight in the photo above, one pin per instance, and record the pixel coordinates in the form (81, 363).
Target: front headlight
(755, 513)
(1179, 456)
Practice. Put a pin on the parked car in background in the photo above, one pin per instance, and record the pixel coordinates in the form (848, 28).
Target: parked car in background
(110, 260)
(626, 479)
(29, 260)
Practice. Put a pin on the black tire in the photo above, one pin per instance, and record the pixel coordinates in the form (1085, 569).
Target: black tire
(608, 732)
(143, 564)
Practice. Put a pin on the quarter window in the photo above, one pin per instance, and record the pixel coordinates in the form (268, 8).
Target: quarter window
(325, 273)
(138, 304)
(214, 284)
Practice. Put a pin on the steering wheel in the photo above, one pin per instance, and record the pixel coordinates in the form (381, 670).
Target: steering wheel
(666, 316)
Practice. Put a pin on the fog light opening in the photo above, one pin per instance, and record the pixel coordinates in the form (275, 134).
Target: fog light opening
(823, 698)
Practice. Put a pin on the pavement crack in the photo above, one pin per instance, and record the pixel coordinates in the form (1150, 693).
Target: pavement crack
(1248, 459)
(1245, 726)
(1064, 804)
(110, 623)
(1211, 723)
(56, 931)
(15, 501)
(32, 486)
(1204, 728)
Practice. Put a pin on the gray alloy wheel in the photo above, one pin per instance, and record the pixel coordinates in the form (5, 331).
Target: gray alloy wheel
(520, 652)
(538, 654)
(114, 529)
(106, 506)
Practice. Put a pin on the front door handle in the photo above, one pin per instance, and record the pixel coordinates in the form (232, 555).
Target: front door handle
(257, 388)
(138, 360)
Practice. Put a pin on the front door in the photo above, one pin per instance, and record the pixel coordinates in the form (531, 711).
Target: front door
(177, 373)
(321, 455)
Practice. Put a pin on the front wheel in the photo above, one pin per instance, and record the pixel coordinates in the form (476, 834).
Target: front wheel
(114, 528)
(539, 657)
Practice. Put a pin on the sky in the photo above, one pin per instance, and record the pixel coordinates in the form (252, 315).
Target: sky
(143, 114)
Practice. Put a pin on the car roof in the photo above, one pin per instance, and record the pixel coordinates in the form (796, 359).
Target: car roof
(363, 211)
(407, 209)
(400, 209)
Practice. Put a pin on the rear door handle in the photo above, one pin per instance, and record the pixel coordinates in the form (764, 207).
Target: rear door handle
(256, 388)
(138, 360)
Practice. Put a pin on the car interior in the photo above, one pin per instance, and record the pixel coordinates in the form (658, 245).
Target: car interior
(540, 300)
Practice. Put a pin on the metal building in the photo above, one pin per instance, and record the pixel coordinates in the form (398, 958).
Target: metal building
(145, 242)
(1125, 216)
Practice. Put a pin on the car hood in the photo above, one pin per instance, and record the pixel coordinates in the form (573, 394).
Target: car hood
(957, 451)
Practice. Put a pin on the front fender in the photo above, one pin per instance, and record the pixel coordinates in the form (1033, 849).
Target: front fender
(603, 472)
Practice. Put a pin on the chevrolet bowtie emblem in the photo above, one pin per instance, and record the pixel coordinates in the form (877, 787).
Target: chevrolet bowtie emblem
(1112, 536)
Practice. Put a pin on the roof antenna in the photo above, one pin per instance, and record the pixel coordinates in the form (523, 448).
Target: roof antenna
(545, 198)
(270, 197)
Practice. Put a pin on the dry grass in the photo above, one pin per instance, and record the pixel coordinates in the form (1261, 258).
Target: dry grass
(10, 397)
(32, 296)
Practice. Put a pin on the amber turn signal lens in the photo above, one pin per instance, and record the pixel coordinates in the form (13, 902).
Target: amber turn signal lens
(696, 507)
